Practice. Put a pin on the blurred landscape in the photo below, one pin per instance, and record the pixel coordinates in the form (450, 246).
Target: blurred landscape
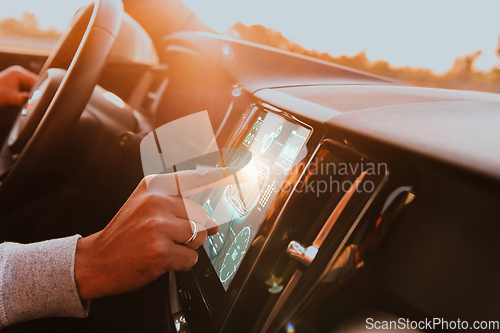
(462, 75)
(24, 36)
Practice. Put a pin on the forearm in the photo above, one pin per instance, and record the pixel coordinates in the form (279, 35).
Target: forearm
(37, 280)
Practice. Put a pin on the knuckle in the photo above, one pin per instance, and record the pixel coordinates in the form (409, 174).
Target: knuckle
(171, 199)
(155, 248)
(154, 203)
(194, 258)
(155, 199)
(154, 225)
(144, 181)
(190, 261)
(157, 269)
(143, 186)
(190, 258)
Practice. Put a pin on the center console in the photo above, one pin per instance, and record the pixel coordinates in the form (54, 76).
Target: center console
(284, 231)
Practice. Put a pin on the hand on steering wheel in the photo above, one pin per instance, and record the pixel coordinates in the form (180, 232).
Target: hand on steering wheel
(15, 84)
(58, 97)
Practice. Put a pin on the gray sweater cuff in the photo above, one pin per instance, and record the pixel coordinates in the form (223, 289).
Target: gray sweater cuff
(38, 280)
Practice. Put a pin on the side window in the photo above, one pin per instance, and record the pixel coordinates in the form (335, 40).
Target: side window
(29, 29)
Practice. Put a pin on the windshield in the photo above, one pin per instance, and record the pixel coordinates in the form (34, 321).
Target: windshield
(446, 44)
(33, 26)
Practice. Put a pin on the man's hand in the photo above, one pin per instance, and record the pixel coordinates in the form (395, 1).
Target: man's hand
(15, 84)
(146, 237)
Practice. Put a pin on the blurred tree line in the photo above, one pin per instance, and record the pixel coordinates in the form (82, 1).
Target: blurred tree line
(27, 26)
(462, 75)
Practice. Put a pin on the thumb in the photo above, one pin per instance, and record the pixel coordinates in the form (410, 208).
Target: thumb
(20, 98)
(13, 97)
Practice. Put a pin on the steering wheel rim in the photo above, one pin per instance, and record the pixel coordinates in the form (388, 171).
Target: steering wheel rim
(71, 91)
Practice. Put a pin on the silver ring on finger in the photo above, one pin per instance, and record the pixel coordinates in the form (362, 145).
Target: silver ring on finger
(194, 227)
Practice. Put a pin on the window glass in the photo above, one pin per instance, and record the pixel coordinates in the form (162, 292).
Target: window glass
(33, 26)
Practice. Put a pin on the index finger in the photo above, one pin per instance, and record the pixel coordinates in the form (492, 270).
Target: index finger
(197, 176)
(190, 182)
(25, 78)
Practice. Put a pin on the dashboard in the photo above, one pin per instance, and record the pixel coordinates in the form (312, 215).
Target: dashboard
(372, 198)
(336, 233)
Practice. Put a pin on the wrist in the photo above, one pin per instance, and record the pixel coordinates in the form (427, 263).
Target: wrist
(86, 272)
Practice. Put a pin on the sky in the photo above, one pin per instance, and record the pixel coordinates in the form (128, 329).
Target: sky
(51, 13)
(429, 34)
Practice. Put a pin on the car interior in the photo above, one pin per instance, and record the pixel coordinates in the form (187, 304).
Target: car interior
(387, 204)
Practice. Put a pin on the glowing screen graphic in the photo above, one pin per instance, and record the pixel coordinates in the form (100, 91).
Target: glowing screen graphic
(275, 144)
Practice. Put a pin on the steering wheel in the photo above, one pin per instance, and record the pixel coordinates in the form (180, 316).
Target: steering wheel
(59, 96)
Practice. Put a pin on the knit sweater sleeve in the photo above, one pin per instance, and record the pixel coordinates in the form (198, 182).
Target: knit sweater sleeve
(37, 280)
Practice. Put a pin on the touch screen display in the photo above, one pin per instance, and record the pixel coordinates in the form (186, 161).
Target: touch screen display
(275, 144)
